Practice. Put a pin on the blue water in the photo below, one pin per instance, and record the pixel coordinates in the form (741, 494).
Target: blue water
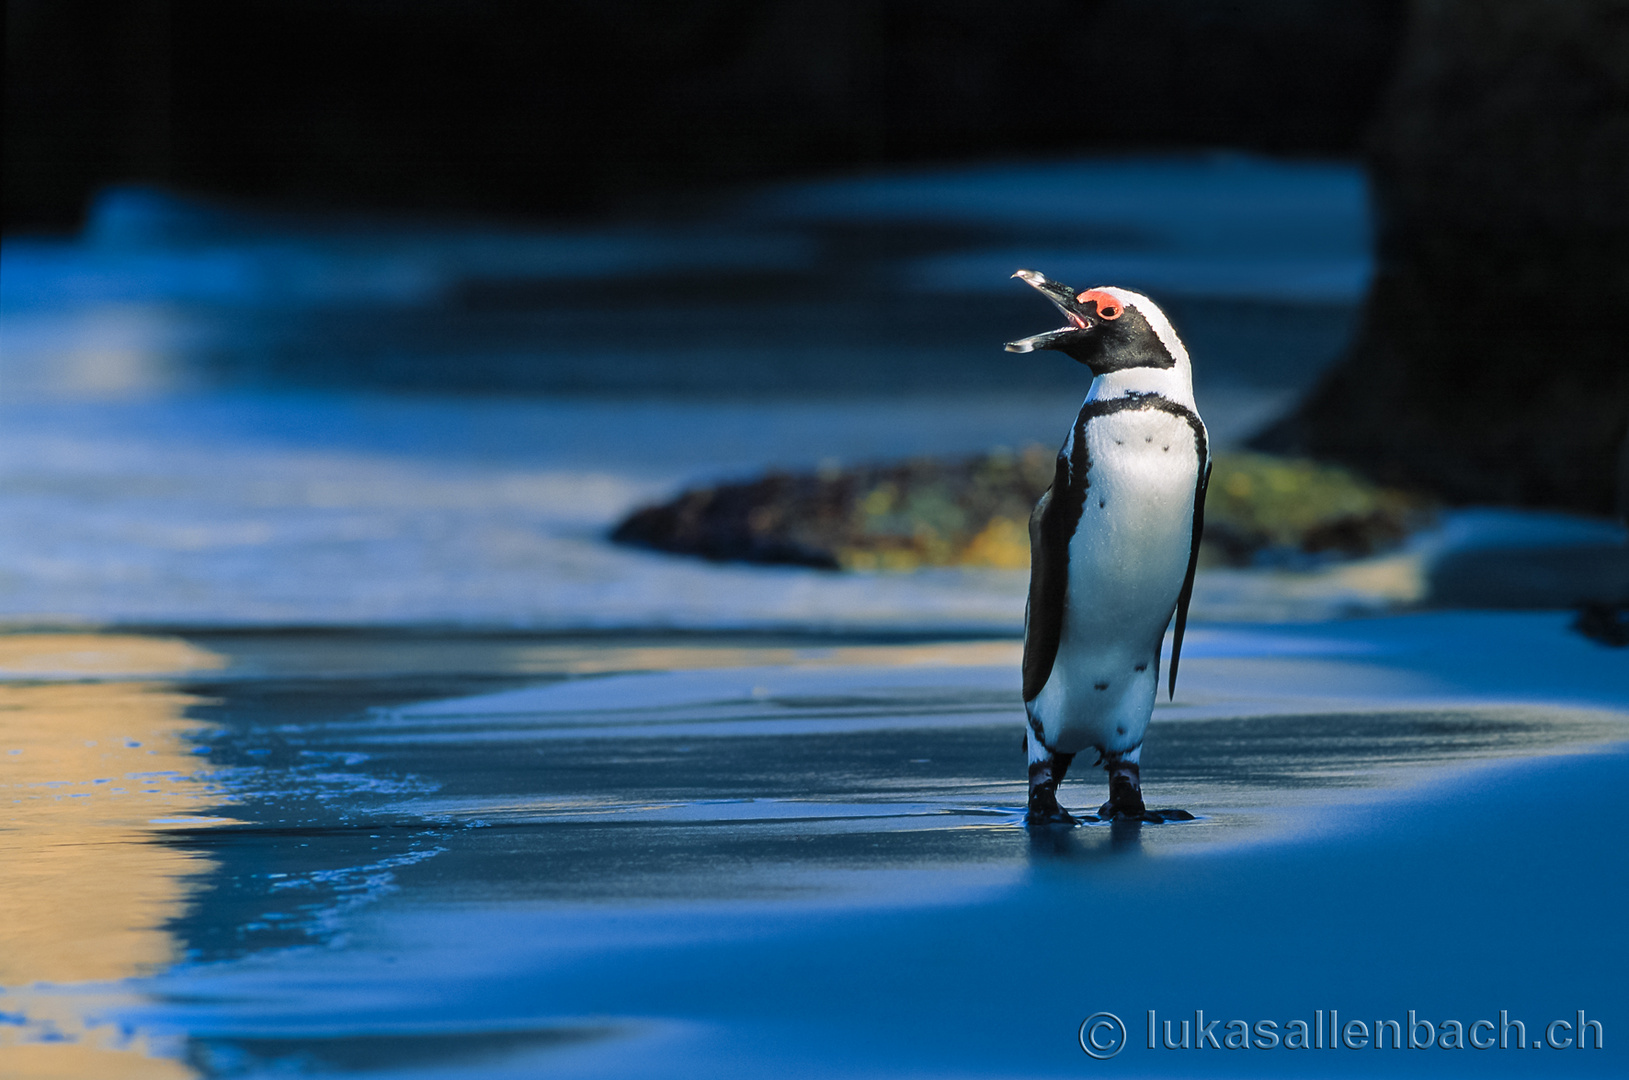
(336, 740)
(882, 284)
(505, 855)
(220, 414)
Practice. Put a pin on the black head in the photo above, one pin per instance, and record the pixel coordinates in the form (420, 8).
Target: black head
(1105, 332)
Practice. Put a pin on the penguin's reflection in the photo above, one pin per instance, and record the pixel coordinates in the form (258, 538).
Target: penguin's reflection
(1119, 838)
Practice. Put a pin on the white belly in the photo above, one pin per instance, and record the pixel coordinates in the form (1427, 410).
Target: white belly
(1127, 563)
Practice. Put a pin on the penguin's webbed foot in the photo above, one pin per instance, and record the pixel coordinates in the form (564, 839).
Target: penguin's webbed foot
(1109, 812)
(1044, 808)
(1045, 774)
(1126, 799)
(1125, 794)
(1126, 811)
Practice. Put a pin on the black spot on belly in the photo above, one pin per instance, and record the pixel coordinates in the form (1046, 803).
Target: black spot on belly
(1148, 438)
(1101, 504)
(1141, 667)
(1102, 685)
(1120, 731)
(1167, 446)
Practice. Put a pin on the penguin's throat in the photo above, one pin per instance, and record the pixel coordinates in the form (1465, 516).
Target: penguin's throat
(1174, 384)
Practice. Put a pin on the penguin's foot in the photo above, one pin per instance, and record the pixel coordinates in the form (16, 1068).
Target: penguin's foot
(1125, 791)
(1044, 808)
(1124, 806)
(1045, 774)
(1126, 798)
(1109, 812)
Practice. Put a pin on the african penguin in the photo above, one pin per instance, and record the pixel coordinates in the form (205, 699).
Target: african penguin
(1113, 545)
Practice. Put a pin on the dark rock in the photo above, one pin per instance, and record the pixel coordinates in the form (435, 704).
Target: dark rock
(900, 516)
(1281, 510)
(974, 512)
(777, 519)
(1608, 625)
(1492, 364)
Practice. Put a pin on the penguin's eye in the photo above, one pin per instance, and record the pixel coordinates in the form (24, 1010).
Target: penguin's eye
(1108, 308)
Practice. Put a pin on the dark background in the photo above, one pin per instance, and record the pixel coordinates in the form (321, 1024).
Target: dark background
(1490, 365)
(545, 109)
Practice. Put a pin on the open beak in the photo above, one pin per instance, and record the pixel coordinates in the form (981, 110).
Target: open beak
(1063, 298)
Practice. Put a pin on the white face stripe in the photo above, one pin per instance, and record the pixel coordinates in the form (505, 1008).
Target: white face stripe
(1156, 320)
(1175, 383)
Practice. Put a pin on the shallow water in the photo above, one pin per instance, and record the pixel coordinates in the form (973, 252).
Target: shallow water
(235, 416)
(480, 852)
(490, 855)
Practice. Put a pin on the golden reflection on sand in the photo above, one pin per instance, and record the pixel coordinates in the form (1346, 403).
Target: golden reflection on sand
(601, 659)
(367, 656)
(91, 772)
(109, 656)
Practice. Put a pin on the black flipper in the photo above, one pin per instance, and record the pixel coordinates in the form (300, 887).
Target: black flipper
(1050, 527)
(1043, 614)
(1193, 564)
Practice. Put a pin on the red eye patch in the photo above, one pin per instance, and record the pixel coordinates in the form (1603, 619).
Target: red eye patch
(1108, 307)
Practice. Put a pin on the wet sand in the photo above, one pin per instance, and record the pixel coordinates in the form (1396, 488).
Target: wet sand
(513, 855)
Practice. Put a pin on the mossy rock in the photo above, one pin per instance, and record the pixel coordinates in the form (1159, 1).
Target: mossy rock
(1260, 505)
(975, 512)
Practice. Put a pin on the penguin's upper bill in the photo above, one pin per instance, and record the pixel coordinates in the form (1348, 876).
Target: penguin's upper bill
(1105, 333)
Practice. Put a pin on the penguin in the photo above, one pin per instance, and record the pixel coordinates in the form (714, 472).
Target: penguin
(1113, 546)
